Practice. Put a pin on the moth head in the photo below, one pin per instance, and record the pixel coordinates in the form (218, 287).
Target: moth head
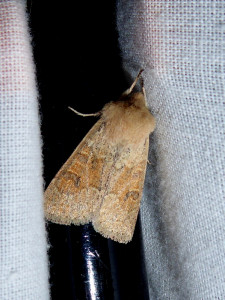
(129, 120)
(137, 99)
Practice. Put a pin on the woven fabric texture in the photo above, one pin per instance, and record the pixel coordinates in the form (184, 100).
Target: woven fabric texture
(181, 45)
(23, 248)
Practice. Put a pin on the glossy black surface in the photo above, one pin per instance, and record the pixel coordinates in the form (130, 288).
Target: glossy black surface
(91, 265)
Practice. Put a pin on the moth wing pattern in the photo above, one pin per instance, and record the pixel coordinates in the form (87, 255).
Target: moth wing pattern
(99, 183)
(118, 211)
(73, 193)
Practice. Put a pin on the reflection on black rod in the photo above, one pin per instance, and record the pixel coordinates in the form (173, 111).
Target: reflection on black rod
(91, 265)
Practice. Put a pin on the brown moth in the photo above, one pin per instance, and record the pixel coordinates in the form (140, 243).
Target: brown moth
(102, 181)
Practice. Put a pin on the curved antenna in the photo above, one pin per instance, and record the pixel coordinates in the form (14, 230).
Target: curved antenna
(84, 115)
(135, 82)
(143, 90)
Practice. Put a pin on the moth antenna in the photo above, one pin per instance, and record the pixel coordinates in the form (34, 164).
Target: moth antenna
(85, 115)
(143, 89)
(135, 82)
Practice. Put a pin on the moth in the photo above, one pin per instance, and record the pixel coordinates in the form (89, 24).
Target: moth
(102, 181)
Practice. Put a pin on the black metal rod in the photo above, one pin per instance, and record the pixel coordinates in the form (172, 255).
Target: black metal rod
(91, 264)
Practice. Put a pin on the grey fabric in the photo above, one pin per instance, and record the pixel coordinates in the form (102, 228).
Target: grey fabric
(181, 46)
(23, 248)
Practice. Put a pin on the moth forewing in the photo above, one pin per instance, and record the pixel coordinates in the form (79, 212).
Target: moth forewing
(71, 195)
(118, 213)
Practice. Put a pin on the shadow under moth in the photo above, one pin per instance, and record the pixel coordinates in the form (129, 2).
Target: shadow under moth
(102, 181)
